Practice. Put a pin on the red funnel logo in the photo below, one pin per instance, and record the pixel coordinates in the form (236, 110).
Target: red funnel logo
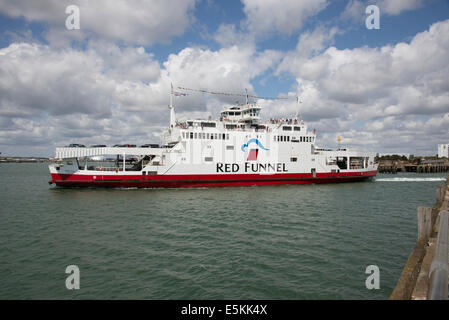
(252, 156)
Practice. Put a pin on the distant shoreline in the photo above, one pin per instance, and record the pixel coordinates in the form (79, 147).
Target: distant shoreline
(24, 159)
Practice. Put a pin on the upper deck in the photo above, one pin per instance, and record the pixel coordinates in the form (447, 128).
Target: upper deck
(70, 152)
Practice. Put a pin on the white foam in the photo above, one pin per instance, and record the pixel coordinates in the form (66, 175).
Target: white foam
(397, 179)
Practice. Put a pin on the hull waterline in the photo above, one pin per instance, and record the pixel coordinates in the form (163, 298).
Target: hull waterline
(184, 181)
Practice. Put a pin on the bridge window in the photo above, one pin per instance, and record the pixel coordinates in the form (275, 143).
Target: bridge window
(287, 128)
(294, 159)
(297, 128)
(208, 159)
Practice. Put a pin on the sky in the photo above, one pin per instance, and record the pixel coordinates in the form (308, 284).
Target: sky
(382, 89)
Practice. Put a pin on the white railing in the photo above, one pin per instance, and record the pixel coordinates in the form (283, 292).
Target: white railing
(67, 152)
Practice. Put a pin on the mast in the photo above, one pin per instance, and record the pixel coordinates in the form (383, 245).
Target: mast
(172, 110)
(297, 106)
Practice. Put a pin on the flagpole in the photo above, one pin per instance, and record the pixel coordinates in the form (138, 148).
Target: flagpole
(172, 110)
(297, 106)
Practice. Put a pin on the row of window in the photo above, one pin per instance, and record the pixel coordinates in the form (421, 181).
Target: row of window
(288, 128)
(206, 136)
(225, 136)
(202, 124)
(252, 113)
(281, 138)
(287, 139)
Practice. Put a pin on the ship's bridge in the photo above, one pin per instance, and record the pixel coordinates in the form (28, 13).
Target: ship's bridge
(249, 113)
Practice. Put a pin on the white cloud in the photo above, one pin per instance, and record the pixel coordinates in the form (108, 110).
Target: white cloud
(227, 36)
(283, 16)
(110, 94)
(35, 79)
(378, 93)
(407, 77)
(137, 22)
(226, 70)
(306, 56)
(355, 9)
(396, 7)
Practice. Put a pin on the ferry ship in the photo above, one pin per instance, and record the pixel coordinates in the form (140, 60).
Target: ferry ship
(238, 149)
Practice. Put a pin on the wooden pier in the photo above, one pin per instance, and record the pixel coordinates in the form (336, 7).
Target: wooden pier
(425, 275)
(420, 166)
(23, 159)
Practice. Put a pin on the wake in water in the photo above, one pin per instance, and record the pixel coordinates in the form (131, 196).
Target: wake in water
(397, 179)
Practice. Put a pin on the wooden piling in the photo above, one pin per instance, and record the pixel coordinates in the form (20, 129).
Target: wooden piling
(440, 194)
(424, 223)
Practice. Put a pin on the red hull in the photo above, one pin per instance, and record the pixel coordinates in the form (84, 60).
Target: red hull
(204, 180)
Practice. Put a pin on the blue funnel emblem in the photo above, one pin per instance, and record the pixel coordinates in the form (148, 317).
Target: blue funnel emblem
(256, 141)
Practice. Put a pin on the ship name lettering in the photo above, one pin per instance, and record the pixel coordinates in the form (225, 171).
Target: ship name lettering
(227, 167)
(265, 167)
(252, 167)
